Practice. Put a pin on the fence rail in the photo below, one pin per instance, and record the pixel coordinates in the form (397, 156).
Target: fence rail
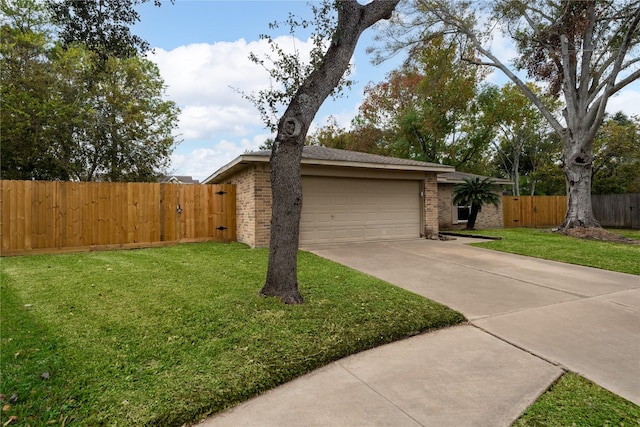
(39, 216)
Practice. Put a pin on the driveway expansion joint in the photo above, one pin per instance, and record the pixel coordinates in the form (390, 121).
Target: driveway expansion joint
(519, 347)
(382, 396)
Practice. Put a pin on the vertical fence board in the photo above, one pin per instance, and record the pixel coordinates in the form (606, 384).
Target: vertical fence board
(19, 215)
(230, 213)
(131, 214)
(4, 216)
(46, 192)
(90, 219)
(209, 199)
(16, 226)
(170, 206)
(53, 216)
(135, 213)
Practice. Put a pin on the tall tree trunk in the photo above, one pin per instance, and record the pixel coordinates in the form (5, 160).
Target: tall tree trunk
(578, 160)
(533, 187)
(516, 173)
(286, 187)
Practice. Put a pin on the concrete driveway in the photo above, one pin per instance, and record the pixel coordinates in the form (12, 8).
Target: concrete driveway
(583, 319)
(530, 320)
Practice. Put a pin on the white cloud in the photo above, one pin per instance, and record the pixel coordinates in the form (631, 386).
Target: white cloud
(204, 80)
(628, 100)
(216, 123)
(202, 162)
(502, 47)
(207, 121)
(342, 118)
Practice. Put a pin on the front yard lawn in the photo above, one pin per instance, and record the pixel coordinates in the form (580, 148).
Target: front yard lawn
(542, 243)
(166, 336)
(576, 401)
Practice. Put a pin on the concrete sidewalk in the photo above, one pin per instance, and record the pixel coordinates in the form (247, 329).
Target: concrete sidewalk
(530, 319)
(454, 377)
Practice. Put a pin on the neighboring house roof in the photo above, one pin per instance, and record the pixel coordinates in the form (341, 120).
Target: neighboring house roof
(317, 155)
(459, 177)
(178, 179)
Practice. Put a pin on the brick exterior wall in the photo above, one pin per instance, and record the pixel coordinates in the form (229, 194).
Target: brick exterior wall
(245, 205)
(488, 217)
(445, 206)
(253, 204)
(431, 226)
(262, 205)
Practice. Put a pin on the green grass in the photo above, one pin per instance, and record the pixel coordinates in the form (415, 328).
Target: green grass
(632, 234)
(545, 244)
(166, 336)
(575, 401)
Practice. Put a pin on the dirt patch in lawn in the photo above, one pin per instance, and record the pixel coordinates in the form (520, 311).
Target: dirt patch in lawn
(594, 233)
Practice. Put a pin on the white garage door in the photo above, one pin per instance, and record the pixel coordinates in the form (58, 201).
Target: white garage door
(357, 210)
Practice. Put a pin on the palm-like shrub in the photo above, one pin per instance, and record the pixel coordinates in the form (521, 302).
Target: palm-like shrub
(475, 192)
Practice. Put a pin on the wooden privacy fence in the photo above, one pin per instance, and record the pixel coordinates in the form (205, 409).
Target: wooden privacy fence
(533, 211)
(41, 216)
(617, 210)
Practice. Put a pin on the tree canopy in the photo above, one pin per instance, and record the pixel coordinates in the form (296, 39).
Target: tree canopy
(521, 134)
(66, 118)
(429, 109)
(616, 167)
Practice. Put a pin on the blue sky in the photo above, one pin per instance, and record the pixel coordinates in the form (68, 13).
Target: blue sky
(202, 48)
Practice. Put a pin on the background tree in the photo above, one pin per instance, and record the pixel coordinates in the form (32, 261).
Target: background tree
(616, 166)
(475, 193)
(102, 26)
(581, 49)
(420, 110)
(446, 93)
(128, 134)
(359, 138)
(330, 135)
(34, 85)
(520, 131)
(66, 118)
(543, 174)
(428, 109)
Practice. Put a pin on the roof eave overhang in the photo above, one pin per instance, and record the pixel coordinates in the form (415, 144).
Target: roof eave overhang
(243, 161)
(234, 166)
(384, 166)
(497, 181)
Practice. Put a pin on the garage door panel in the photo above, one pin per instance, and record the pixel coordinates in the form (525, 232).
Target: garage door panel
(348, 210)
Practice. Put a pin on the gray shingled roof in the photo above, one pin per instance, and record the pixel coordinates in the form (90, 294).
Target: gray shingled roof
(316, 152)
(459, 177)
(316, 155)
(181, 178)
